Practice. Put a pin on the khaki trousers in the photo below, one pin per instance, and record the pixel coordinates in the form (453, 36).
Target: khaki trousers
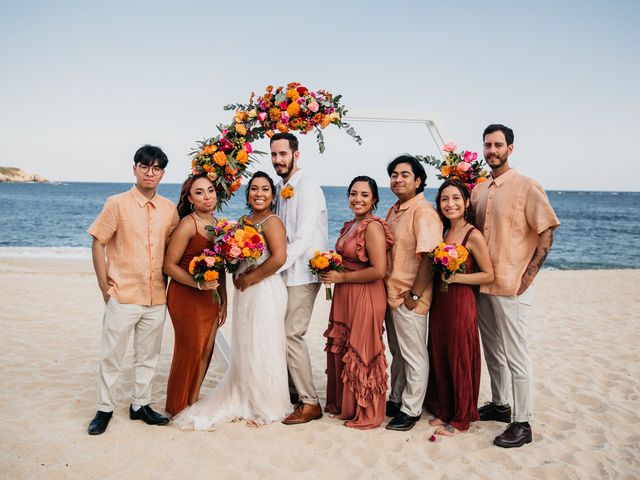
(299, 309)
(503, 327)
(407, 337)
(119, 321)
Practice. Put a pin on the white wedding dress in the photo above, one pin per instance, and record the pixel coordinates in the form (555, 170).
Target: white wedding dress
(255, 386)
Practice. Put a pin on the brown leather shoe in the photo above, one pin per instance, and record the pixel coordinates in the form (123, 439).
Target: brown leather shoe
(303, 414)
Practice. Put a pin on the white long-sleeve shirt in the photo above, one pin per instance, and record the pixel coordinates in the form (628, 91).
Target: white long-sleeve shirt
(305, 218)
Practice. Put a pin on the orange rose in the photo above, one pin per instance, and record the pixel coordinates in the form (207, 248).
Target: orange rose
(293, 94)
(293, 109)
(325, 122)
(481, 180)
(220, 158)
(287, 192)
(269, 89)
(282, 128)
(230, 170)
(212, 176)
(210, 275)
(209, 150)
(269, 133)
(241, 116)
(207, 167)
(241, 129)
(242, 157)
(235, 185)
(274, 114)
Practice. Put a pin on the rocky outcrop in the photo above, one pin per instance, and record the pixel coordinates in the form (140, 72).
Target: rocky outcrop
(12, 174)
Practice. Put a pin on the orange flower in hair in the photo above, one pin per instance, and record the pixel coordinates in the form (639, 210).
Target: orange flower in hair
(242, 157)
(220, 158)
(241, 129)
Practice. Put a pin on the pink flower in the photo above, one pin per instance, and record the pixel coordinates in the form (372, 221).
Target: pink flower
(283, 105)
(449, 147)
(262, 116)
(210, 261)
(464, 166)
(445, 260)
(247, 147)
(314, 107)
(235, 251)
(470, 156)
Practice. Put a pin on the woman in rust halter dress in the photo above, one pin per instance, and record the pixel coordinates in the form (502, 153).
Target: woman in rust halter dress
(454, 343)
(194, 314)
(356, 362)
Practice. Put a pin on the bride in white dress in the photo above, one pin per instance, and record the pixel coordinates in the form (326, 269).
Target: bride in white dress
(255, 387)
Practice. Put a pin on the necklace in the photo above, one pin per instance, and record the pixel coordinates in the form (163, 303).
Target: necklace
(197, 217)
(258, 222)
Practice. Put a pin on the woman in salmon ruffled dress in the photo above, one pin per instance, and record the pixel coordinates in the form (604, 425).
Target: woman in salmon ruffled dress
(356, 361)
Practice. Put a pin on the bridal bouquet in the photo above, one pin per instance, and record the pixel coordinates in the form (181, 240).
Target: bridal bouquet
(238, 243)
(205, 268)
(464, 165)
(447, 260)
(323, 262)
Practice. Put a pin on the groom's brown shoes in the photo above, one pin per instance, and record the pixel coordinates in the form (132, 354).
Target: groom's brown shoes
(303, 414)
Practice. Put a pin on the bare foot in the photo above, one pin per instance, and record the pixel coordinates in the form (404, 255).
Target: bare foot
(254, 424)
(436, 422)
(447, 431)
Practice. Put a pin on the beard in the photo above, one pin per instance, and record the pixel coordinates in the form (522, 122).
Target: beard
(284, 171)
(495, 161)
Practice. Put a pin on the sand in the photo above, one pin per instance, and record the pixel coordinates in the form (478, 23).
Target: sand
(584, 332)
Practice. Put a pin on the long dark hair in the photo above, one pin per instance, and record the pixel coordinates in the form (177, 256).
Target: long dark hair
(185, 207)
(468, 211)
(260, 174)
(372, 185)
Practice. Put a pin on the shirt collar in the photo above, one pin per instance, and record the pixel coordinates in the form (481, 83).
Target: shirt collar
(409, 203)
(141, 199)
(505, 177)
(295, 179)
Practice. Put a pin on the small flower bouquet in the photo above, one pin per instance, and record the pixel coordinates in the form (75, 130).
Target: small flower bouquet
(323, 262)
(464, 165)
(447, 260)
(239, 244)
(205, 268)
(287, 192)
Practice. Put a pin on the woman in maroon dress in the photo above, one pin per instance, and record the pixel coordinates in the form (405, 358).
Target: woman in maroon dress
(356, 362)
(454, 344)
(194, 314)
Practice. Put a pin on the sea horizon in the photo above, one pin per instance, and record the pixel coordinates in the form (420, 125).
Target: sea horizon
(50, 220)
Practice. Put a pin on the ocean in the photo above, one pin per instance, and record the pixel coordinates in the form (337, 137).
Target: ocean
(598, 229)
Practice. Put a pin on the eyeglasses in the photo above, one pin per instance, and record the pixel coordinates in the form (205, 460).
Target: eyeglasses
(155, 170)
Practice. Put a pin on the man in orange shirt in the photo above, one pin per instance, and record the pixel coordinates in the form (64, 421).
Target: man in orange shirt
(129, 239)
(417, 230)
(517, 221)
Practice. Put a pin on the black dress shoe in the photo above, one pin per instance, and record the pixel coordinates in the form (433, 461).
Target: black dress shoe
(393, 408)
(99, 423)
(498, 413)
(148, 416)
(402, 422)
(516, 435)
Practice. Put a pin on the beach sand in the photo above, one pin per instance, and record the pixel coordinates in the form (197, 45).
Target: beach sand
(584, 330)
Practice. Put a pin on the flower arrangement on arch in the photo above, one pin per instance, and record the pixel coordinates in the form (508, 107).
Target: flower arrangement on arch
(448, 260)
(465, 166)
(239, 243)
(225, 157)
(323, 262)
(206, 268)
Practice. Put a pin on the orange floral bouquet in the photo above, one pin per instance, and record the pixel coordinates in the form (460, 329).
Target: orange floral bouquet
(205, 268)
(323, 262)
(238, 243)
(448, 260)
(464, 165)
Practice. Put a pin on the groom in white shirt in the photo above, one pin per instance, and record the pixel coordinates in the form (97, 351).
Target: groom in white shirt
(301, 205)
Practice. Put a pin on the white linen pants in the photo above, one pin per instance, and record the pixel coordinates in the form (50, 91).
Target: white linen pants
(300, 302)
(503, 328)
(119, 321)
(407, 337)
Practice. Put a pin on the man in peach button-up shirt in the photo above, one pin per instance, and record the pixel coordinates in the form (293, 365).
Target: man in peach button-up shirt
(417, 230)
(129, 239)
(517, 221)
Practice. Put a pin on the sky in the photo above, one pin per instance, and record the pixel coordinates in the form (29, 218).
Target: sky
(84, 84)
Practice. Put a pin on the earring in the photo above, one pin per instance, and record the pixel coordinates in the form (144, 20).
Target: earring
(193, 207)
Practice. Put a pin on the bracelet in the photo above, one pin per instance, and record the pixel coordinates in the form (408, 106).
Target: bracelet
(198, 283)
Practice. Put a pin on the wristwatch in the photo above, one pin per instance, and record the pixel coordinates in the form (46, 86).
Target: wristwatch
(414, 297)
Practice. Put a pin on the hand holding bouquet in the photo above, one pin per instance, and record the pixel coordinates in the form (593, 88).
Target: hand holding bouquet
(323, 262)
(238, 243)
(205, 270)
(447, 261)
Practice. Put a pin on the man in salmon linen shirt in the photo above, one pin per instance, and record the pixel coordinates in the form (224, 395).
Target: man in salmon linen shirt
(129, 239)
(517, 221)
(417, 230)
